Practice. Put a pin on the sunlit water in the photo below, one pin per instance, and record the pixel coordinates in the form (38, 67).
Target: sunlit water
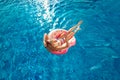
(94, 57)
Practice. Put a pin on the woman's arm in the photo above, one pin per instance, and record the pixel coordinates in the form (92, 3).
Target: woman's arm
(63, 46)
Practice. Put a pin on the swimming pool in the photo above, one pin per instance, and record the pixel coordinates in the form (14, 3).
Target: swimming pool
(96, 56)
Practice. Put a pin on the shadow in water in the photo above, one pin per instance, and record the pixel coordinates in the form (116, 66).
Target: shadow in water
(117, 64)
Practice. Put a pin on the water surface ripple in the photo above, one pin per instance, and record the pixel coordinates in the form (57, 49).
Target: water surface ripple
(24, 22)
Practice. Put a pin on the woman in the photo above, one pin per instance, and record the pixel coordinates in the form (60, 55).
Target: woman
(61, 42)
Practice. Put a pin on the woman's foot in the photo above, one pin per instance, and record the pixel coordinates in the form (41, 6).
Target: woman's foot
(80, 22)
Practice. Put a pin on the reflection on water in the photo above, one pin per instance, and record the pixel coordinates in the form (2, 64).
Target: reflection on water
(95, 56)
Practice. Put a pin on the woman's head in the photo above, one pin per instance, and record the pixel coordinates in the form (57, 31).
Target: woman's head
(54, 42)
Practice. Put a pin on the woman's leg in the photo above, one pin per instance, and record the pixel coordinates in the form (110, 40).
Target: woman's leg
(73, 30)
(70, 35)
(75, 27)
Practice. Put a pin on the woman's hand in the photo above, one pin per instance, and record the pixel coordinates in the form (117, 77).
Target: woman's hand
(45, 39)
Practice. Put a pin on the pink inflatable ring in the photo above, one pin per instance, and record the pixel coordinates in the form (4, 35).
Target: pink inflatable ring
(54, 34)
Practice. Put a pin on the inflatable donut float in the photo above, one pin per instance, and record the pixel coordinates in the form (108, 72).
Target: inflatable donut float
(54, 34)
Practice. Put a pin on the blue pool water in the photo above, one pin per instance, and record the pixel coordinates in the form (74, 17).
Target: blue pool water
(96, 56)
